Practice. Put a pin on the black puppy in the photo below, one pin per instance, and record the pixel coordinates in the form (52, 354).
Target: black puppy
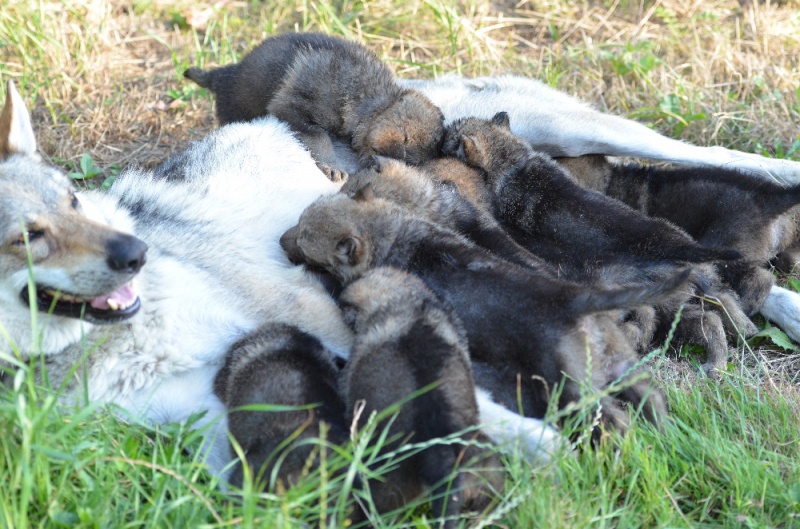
(327, 88)
(592, 237)
(281, 365)
(407, 341)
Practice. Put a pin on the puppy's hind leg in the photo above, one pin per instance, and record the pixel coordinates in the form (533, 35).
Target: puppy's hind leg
(704, 327)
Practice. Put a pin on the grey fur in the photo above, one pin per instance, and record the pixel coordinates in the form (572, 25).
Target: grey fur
(717, 207)
(407, 340)
(590, 236)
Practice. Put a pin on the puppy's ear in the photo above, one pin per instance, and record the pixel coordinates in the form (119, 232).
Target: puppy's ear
(350, 250)
(501, 119)
(364, 194)
(474, 155)
(16, 131)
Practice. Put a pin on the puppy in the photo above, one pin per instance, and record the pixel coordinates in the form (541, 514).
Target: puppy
(717, 207)
(592, 237)
(433, 196)
(278, 364)
(537, 326)
(407, 341)
(327, 88)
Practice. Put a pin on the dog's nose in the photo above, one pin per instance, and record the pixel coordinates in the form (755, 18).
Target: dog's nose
(126, 253)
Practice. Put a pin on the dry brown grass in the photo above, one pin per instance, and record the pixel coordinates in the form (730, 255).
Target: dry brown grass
(100, 71)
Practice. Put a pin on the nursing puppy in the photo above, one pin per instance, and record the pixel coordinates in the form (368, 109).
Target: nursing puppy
(407, 341)
(433, 196)
(591, 236)
(327, 88)
(278, 364)
(537, 326)
(717, 207)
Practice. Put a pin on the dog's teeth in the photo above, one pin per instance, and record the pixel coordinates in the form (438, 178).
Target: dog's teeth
(112, 304)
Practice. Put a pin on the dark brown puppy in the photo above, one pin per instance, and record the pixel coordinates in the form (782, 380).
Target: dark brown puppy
(407, 341)
(327, 88)
(433, 196)
(536, 326)
(593, 237)
(279, 364)
(718, 207)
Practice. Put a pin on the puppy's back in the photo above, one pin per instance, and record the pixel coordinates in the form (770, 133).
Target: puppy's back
(279, 365)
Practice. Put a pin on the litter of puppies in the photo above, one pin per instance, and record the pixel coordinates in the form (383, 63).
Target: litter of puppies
(549, 271)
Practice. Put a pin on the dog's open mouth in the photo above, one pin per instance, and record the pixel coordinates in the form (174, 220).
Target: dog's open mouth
(109, 308)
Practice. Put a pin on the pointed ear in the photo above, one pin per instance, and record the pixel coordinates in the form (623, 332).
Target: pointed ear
(501, 119)
(364, 194)
(473, 154)
(350, 250)
(16, 131)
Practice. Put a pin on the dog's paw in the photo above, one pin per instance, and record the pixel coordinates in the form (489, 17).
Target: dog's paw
(782, 307)
(334, 175)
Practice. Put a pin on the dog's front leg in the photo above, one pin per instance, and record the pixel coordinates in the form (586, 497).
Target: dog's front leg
(782, 307)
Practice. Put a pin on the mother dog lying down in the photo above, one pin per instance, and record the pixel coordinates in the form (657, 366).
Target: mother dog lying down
(207, 261)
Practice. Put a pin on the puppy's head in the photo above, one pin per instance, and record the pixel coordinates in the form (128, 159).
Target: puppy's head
(410, 129)
(486, 144)
(337, 234)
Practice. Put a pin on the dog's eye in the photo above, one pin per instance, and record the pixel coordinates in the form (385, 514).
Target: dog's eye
(32, 236)
(75, 201)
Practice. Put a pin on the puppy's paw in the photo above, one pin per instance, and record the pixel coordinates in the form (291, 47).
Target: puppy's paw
(334, 175)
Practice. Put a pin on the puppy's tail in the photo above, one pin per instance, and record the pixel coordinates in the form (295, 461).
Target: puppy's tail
(202, 77)
(780, 199)
(630, 297)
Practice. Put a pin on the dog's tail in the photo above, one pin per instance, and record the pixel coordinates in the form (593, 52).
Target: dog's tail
(630, 297)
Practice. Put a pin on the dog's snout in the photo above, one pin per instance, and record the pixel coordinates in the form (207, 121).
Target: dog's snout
(126, 253)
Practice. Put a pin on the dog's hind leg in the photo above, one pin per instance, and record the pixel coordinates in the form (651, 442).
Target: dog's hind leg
(782, 307)
(584, 131)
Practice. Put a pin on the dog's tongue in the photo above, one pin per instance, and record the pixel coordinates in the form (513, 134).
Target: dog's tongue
(124, 297)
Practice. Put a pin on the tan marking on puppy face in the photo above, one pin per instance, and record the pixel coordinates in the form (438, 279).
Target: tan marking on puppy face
(411, 129)
(468, 181)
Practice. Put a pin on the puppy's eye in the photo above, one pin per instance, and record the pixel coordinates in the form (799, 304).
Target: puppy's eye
(75, 201)
(32, 236)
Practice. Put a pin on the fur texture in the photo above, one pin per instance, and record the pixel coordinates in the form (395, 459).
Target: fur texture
(595, 238)
(535, 325)
(279, 365)
(327, 88)
(214, 271)
(558, 124)
(408, 341)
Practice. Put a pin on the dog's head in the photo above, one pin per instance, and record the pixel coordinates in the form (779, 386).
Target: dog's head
(81, 267)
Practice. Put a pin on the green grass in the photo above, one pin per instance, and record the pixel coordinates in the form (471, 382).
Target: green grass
(712, 73)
